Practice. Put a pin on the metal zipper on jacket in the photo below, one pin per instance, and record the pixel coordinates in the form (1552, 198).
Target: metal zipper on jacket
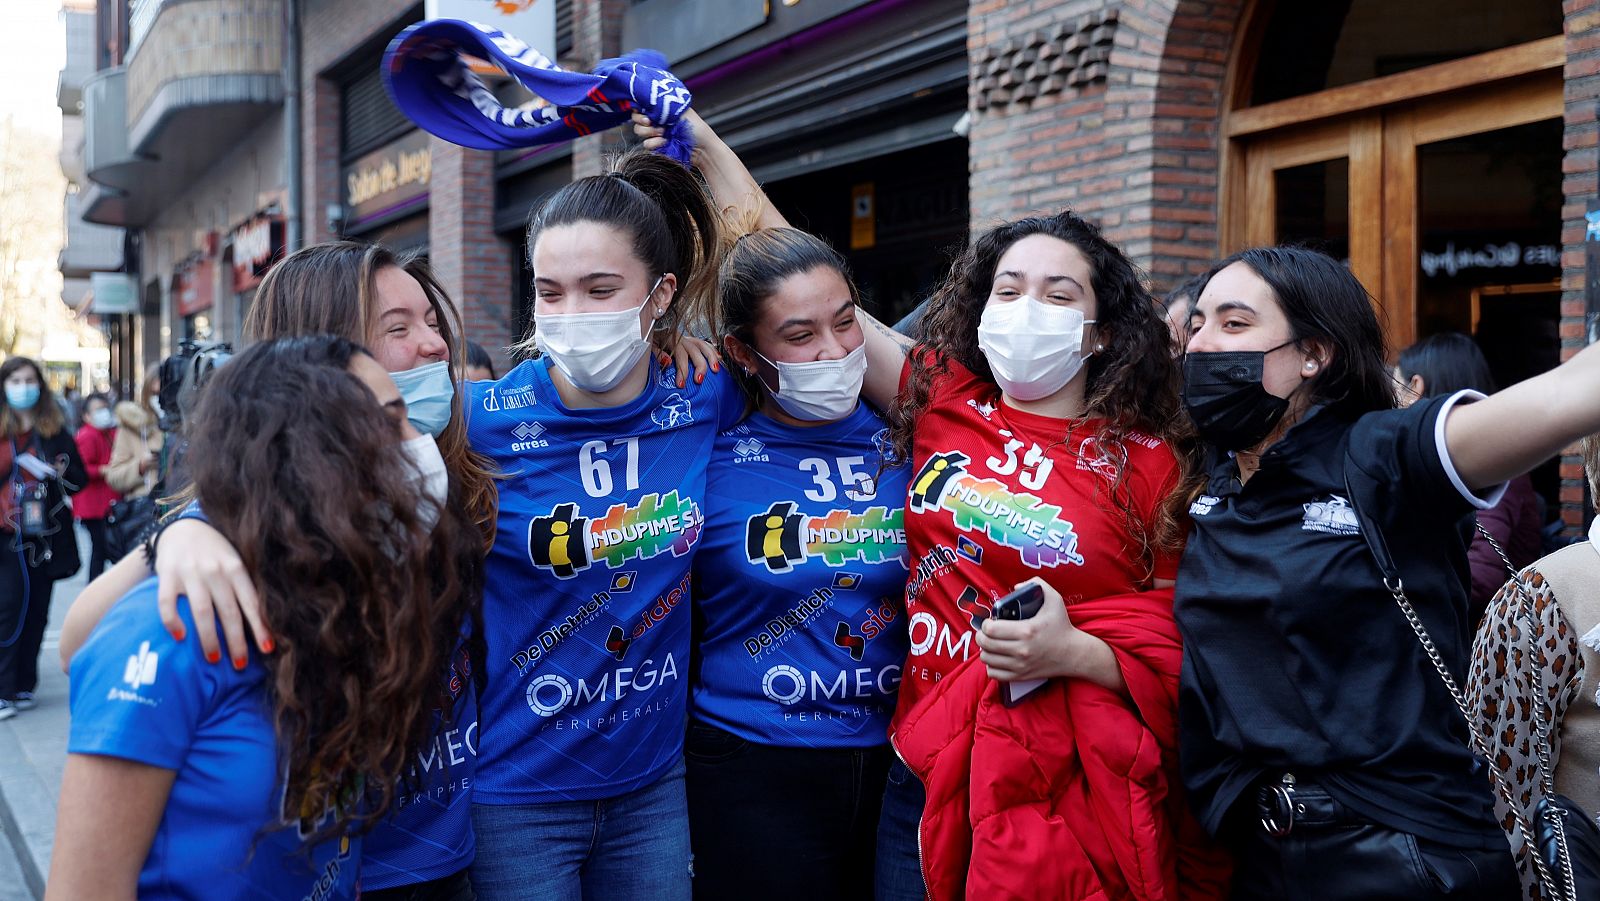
(922, 871)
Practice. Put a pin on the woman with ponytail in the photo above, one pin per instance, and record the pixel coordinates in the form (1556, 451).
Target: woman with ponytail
(602, 455)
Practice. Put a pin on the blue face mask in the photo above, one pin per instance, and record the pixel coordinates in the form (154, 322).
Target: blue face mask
(22, 397)
(427, 391)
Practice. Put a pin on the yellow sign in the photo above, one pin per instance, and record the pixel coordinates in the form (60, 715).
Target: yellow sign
(863, 217)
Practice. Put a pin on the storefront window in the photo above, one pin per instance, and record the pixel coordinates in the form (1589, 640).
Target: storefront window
(1309, 47)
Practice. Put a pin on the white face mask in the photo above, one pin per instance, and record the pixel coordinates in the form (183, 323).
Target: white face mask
(102, 419)
(433, 480)
(822, 390)
(1033, 348)
(595, 351)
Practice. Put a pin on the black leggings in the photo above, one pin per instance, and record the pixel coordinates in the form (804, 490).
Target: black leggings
(99, 546)
(24, 612)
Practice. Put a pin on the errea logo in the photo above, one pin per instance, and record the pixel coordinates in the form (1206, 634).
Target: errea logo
(1202, 505)
(141, 668)
(527, 435)
(749, 450)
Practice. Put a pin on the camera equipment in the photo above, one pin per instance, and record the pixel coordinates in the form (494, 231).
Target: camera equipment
(183, 375)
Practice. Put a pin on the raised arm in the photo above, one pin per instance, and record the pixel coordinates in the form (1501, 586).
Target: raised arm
(735, 190)
(1505, 435)
(886, 359)
(744, 203)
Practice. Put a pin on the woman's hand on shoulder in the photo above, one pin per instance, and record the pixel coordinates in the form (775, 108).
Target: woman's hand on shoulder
(693, 355)
(193, 559)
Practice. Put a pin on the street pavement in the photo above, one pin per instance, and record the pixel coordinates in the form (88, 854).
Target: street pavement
(33, 751)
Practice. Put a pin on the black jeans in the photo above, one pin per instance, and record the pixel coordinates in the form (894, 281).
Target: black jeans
(1332, 853)
(24, 612)
(99, 549)
(774, 823)
(455, 887)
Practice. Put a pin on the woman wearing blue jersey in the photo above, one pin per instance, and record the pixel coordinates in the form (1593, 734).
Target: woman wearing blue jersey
(603, 456)
(187, 780)
(364, 293)
(799, 592)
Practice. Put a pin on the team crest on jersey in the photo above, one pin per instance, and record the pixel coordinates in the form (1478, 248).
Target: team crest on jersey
(986, 410)
(567, 543)
(667, 377)
(1021, 521)
(1094, 458)
(497, 398)
(782, 537)
(673, 412)
(1333, 516)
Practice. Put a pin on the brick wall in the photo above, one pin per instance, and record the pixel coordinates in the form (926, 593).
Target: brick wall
(330, 30)
(596, 35)
(471, 261)
(1127, 135)
(1579, 185)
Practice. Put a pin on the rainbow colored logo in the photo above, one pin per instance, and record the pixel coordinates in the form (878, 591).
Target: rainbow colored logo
(567, 544)
(782, 537)
(1036, 529)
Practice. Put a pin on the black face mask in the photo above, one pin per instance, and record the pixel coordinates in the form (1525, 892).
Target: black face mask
(1224, 396)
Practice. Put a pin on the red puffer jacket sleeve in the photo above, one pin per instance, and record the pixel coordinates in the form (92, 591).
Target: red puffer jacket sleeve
(1074, 793)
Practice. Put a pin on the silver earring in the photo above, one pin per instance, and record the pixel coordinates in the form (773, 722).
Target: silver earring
(1311, 366)
(1099, 348)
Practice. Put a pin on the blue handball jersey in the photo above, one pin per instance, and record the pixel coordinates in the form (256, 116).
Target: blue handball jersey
(428, 832)
(138, 694)
(586, 606)
(799, 584)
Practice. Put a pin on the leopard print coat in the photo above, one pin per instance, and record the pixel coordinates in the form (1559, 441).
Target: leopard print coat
(1501, 692)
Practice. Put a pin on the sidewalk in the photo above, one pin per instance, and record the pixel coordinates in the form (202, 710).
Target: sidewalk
(33, 748)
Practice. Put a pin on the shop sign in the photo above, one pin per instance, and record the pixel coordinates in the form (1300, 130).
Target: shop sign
(1452, 260)
(113, 293)
(256, 245)
(863, 216)
(533, 22)
(389, 178)
(192, 288)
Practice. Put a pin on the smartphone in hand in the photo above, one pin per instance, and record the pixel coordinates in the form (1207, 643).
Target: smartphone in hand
(1020, 604)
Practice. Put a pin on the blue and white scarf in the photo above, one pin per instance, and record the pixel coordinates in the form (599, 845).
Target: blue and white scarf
(432, 84)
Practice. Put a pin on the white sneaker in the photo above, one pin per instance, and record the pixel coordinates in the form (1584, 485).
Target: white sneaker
(24, 701)
(7, 709)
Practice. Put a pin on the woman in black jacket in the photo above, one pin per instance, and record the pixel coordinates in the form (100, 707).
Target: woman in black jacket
(1317, 738)
(41, 466)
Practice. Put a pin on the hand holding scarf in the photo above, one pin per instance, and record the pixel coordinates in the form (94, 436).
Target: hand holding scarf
(430, 81)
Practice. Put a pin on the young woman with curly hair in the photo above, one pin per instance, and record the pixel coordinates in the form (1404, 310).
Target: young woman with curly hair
(260, 779)
(366, 294)
(1039, 418)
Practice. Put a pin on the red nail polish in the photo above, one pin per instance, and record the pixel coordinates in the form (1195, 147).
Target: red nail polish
(213, 656)
(238, 663)
(179, 633)
(267, 645)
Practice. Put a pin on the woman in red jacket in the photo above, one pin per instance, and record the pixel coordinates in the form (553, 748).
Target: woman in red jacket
(95, 438)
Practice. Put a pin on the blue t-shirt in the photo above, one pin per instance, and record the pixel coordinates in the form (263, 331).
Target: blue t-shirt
(587, 588)
(138, 694)
(800, 584)
(428, 832)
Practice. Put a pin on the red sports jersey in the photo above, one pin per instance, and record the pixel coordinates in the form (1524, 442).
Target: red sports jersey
(998, 496)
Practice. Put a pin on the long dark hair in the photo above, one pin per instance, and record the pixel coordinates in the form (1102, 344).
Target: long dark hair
(750, 274)
(668, 217)
(331, 288)
(365, 601)
(47, 416)
(1448, 362)
(1325, 303)
(1132, 383)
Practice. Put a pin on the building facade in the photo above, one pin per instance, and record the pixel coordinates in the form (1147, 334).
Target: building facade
(1446, 150)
